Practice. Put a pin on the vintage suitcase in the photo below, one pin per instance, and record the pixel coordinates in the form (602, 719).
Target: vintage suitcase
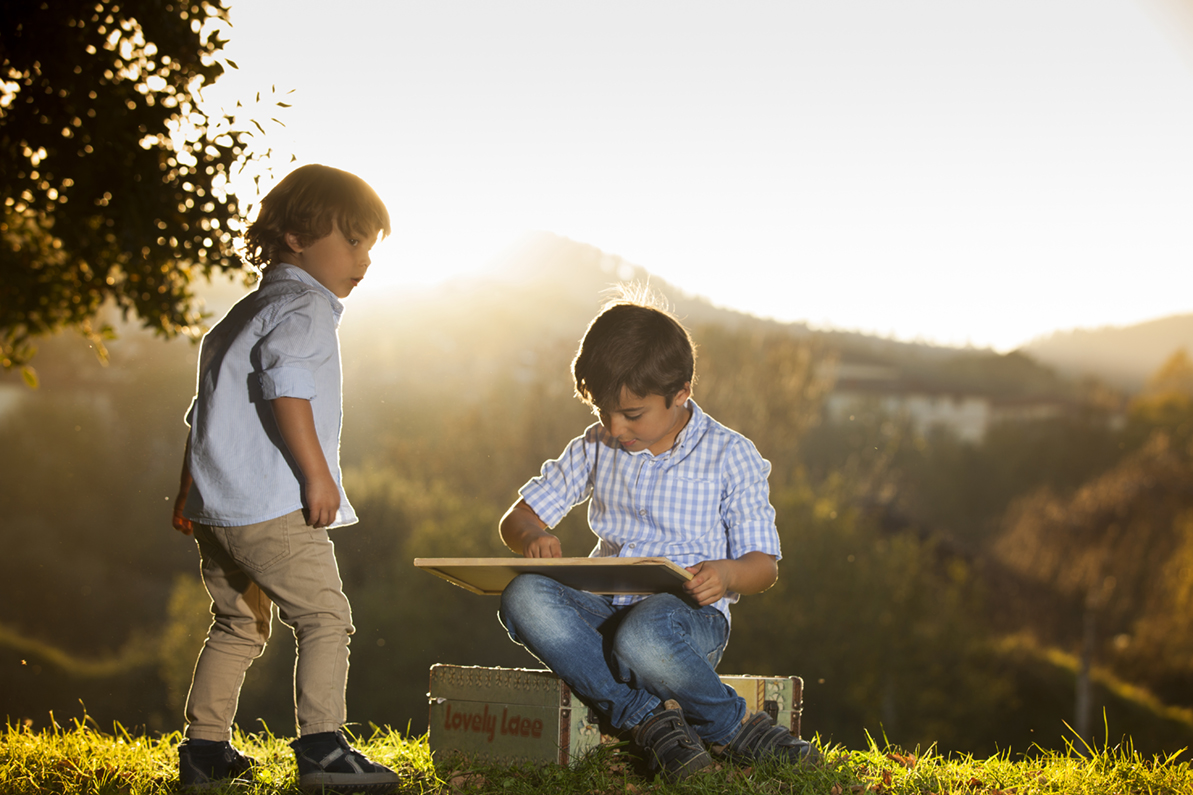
(781, 697)
(515, 715)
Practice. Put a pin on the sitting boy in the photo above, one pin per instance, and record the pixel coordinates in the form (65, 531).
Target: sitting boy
(261, 481)
(664, 480)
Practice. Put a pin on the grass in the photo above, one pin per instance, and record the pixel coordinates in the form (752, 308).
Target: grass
(81, 759)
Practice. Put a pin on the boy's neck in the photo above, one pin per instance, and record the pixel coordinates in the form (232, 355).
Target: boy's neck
(681, 422)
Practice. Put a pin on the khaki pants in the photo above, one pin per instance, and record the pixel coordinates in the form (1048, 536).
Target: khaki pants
(247, 570)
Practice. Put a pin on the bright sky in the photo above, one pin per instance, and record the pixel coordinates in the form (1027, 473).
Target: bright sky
(977, 172)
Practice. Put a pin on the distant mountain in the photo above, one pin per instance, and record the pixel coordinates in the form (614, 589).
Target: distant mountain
(536, 300)
(551, 280)
(549, 284)
(1121, 356)
(534, 304)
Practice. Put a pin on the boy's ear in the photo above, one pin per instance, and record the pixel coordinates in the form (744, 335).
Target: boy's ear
(683, 394)
(294, 243)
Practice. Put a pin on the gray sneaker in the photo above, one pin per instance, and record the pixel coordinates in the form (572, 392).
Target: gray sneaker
(208, 766)
(327, 763)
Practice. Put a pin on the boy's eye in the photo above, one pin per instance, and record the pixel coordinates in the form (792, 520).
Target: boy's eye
(632, 417)
(353, 241)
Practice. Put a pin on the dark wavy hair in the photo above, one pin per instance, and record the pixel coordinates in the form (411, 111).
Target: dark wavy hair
(309, 203)
(635, 345)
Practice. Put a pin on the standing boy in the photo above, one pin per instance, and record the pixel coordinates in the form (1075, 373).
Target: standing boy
(663, 479)
(261, 480)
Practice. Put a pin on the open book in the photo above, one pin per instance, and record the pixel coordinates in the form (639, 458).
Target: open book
(596, 575)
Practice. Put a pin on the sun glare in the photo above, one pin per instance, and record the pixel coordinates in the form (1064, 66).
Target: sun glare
(793, 162)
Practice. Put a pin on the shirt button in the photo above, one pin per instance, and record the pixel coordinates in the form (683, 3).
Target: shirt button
(632, 546)
(642, 512)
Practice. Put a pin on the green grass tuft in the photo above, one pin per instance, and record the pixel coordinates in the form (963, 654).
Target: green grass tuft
(80, 759)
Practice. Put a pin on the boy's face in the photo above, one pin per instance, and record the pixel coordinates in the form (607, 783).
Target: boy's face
(337, 262)
(647, 423)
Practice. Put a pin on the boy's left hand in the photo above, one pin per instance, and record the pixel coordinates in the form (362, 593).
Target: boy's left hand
(753, 572)
(180, 522)
(709, 581)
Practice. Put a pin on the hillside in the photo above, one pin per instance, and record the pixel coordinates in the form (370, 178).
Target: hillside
(530, 308)
(1121, 356)
(535, 303)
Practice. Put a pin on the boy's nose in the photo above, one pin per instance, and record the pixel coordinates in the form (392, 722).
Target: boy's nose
(615, 426)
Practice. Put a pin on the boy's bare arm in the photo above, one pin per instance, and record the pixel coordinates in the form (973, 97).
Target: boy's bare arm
(181, 523)
(526, 534)
(296, 422)
(752, 573)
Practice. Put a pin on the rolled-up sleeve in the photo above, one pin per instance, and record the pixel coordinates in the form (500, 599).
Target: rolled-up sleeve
(563, 483)
(295, 348)
(748, 515)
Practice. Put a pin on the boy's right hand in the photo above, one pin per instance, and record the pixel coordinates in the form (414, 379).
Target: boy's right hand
(323, 501)
(526, 534)
(543, 545)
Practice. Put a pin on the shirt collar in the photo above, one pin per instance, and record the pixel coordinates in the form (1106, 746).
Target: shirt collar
(684, 441)
(284, 270)
(691, 432)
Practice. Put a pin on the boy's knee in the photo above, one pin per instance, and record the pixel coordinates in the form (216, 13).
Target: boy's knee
(520, 598)
(523, 593)
(244, 640)
(654, 615)
(645, 636)
(322, 624)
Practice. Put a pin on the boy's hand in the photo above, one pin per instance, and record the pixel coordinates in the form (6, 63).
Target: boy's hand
(323, 501)
(526, 534)
(296, 422)
(708, 583)
(543, 545)
(752, 573)
(180, 522)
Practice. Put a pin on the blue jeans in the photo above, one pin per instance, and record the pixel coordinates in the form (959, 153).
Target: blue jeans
(625, 660)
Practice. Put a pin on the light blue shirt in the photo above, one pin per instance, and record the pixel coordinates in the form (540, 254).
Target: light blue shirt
(707, 498)
(278, 341)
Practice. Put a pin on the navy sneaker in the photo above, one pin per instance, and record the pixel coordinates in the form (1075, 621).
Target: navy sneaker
(327, 763)
(209, 765)
(759, 738)
(672, 746)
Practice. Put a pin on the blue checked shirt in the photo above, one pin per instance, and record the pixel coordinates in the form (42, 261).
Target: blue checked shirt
(278, 341)
(706, 498)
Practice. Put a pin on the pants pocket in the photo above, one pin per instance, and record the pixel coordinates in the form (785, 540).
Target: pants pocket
(258, 547)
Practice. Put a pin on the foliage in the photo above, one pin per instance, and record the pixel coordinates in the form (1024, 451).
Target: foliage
(953, 489)
(1115, 532)
(1121, 546)
(114, 180)
(783, 401)
(1166, 401)
(881, 627)
(1004, 375)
